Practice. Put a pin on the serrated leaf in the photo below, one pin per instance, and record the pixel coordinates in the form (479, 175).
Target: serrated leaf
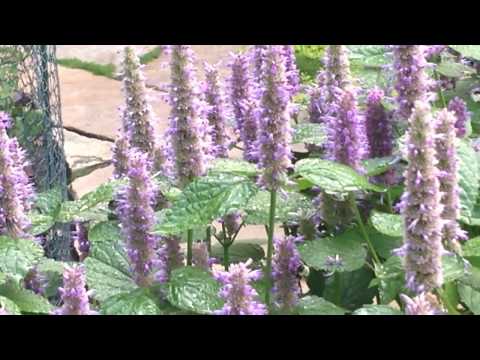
(470, 297)
(471, 248)
(333, 178)
(384, 244)
(471, 51)
(377, 310)
(378, 166)
(348, 246)
(136, 302)
(370, 55)
(26, 300)
(453, 69)
(204, 200)
(309, 133)
(18, 256)
(239, 252)
(106, 231)
(9, 306)
(290, 207)
(193, 289)
(49, 202)
(53, 271)
(469, 179)
(40, 223)
(108, 271)
(233, 166)
(388, 224)
(314, 305)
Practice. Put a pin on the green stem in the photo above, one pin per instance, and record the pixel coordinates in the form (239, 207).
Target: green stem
(209, 239)
(189, 247)
(358, 217)
(271, 228)
(338, 288)
(389, 200)
(226, 257)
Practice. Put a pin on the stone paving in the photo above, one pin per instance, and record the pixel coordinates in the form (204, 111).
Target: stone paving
(90, 103)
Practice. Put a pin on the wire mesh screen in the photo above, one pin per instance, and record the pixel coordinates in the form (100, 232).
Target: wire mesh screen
(30, 92)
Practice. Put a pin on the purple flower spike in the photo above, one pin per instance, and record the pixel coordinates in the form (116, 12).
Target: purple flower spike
(189, 130)
(120, 156)
(337, 66)
(379, 132)
(285, 265)
(459, 107)
(137, 217)
(138, 112)
(421, 205)
(412, 83)
(16, 192)
(73, 293)
(216, 112)
(232, 222)
(170, 257)
(293, 75)
(201, 257)
(162, 160)
(258, 60)
(423, 304)
(240, 297)
(275, 133)
(448, 172)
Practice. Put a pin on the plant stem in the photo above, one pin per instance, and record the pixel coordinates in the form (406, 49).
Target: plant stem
(271, 228)
(389, 201)
(338, 288)
(358, 217)
(189, 247)
(226, 257)
(209, 239)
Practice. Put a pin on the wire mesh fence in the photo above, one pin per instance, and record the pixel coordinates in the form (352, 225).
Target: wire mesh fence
(30, 92)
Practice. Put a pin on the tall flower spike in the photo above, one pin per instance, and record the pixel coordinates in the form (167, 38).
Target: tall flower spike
(275, 133)
(258, 59)
(422, 304)
(240, 297)
(286, 262)
(162, 160)
(15, 189)
(412, 82)
(137, 217)
(170, 257)
(138, 113)
(379, 132)
(188, 129)
(244, 105)
(201, 258)
(25, 187)
(216, 113)
(120, 155)
(346, 131)
(337, 66)
(459, 107)
(293, 75)
(73, 293)
(421, 205)
(448, 172)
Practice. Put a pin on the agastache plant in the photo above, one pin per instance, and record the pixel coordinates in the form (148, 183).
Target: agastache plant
(337, 66)
(170, 257)
(286, 262)
(138, 112)
(448, 173)
(188, 128)
(201, 257)
(459, 108)
(244, 105)
(15, 188)
(216, 113)
(137, 217)
(423, 304)
(411, 83)
(421, 205)
(240, 297)
(293, 75)
(73, 293)
(379, 132)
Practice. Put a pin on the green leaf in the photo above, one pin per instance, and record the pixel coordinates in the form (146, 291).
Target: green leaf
(454, 69)
(193, 289)
(377, 310)
(391, 279)
(469, 179)
(204, 200)
(9, 306)
(472, 278)
(291, 206)
(454, 267)
(384, 244)
(239, 252)
(233, 166)
(26, 300)
(106, 231)
(309, 133)
(471, 248)
(18, 256)
(378, 166)
(49, 202)
(369, 55)
(108, 271)
(40, 223)
(53, 271)
(136, 302)
(348, 246)
(471, 51)
(314, 305)
(463, 89)
(388, 224)
(470, 297)
(333, 178)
